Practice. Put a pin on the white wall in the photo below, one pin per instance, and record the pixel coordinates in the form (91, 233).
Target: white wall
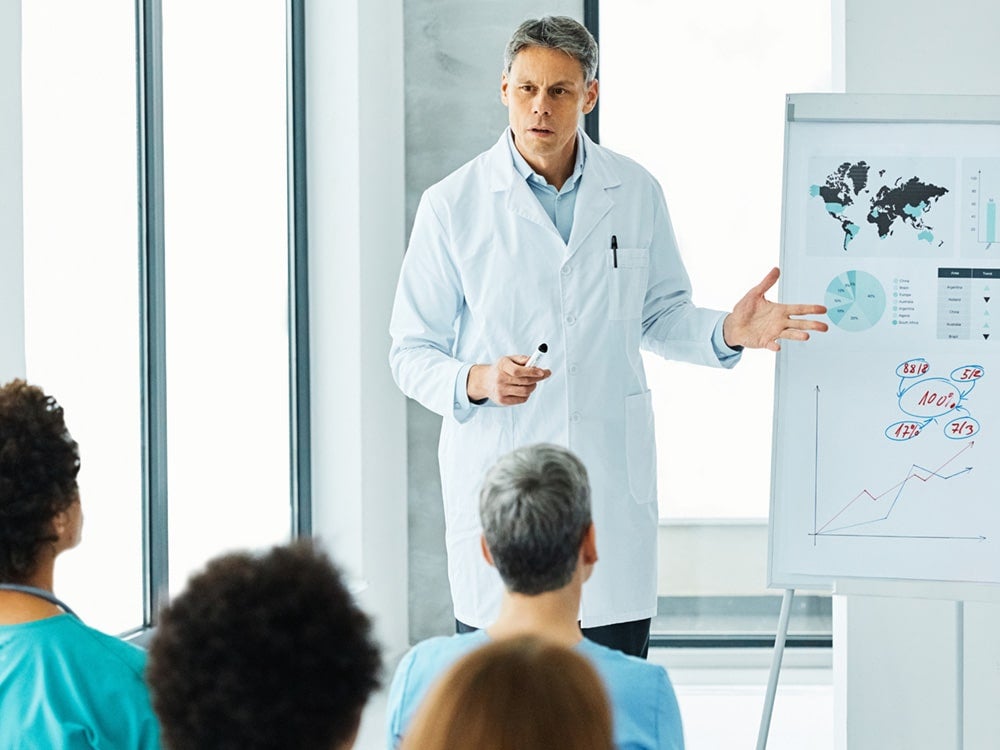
(922, 46)
(902, 679)
(11, 203)
(354, 61)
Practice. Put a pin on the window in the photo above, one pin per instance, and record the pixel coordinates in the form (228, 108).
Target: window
(230, 452)
(695, 93)
(81, 289)
(226, 239)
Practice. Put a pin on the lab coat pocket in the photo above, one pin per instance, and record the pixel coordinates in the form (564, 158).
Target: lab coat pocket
(640, 447)
(627, 283)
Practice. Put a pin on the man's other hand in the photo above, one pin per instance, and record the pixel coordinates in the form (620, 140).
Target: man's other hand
(506, 382)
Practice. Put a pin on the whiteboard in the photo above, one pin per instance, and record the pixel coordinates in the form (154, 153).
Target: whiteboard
(886, 442)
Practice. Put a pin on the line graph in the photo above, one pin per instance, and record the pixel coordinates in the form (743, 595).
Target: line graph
(898, 487)
(869, 507)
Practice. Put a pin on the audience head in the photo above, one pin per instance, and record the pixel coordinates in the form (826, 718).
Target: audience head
(555, 32)
(516, 694)
(261, 653)
(39, 501)
(535, 512)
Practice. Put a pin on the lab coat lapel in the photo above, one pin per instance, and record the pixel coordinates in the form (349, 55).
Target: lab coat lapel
(520, 199)
(594, 199)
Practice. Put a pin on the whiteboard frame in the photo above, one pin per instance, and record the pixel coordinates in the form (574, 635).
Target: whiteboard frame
(872, 108)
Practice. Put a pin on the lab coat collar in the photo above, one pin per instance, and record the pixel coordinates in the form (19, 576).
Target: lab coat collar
(592, 202)
(594, 197)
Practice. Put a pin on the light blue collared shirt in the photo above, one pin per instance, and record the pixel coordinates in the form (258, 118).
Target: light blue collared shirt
(558, 204)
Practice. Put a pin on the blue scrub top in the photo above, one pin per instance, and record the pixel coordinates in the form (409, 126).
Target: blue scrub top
(66, 685)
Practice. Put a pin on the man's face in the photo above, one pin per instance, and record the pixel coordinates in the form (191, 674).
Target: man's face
(545, 94)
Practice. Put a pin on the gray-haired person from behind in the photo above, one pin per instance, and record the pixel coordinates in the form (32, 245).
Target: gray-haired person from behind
(535, 511)
(534, 507)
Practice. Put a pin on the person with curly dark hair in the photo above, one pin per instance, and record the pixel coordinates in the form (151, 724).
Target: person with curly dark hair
(263, 652)
(62, 684)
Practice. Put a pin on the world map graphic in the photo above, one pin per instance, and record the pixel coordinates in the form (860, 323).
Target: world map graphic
(856, 196)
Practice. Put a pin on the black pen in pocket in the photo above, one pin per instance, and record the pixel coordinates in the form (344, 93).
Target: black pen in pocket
(614, 250)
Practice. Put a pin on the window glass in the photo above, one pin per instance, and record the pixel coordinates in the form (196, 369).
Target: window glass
(226, 278)
(695, 93)
(81, 281)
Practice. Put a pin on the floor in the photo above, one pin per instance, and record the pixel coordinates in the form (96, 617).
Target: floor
(721, 695)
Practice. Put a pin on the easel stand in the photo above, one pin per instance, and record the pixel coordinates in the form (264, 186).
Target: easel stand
(772, 680)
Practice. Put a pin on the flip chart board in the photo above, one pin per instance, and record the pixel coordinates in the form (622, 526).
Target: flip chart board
(886, 452)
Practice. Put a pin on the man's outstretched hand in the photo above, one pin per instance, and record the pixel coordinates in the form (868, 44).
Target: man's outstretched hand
(758, 323)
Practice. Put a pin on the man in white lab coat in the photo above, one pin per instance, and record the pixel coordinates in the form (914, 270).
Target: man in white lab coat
(550, 238)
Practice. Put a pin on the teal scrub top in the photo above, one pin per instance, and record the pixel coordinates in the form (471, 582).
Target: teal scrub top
(66, 685)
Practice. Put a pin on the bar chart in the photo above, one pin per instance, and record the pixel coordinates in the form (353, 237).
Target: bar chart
(982, 199)
(990, 235)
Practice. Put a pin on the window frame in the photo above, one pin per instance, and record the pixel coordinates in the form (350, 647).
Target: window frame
(152, 299)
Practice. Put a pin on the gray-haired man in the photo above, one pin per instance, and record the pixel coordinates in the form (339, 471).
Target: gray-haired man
(550, 237)
(538, 533)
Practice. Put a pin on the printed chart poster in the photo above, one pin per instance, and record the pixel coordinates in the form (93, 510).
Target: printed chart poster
(887, 439)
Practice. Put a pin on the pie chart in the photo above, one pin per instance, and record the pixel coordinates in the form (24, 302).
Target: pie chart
(855, 301)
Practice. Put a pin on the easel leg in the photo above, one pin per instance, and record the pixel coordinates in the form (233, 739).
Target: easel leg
(960, 674)
(772, 682)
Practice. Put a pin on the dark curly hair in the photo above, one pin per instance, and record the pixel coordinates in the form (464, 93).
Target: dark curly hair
(39, 461)
(261, 653)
